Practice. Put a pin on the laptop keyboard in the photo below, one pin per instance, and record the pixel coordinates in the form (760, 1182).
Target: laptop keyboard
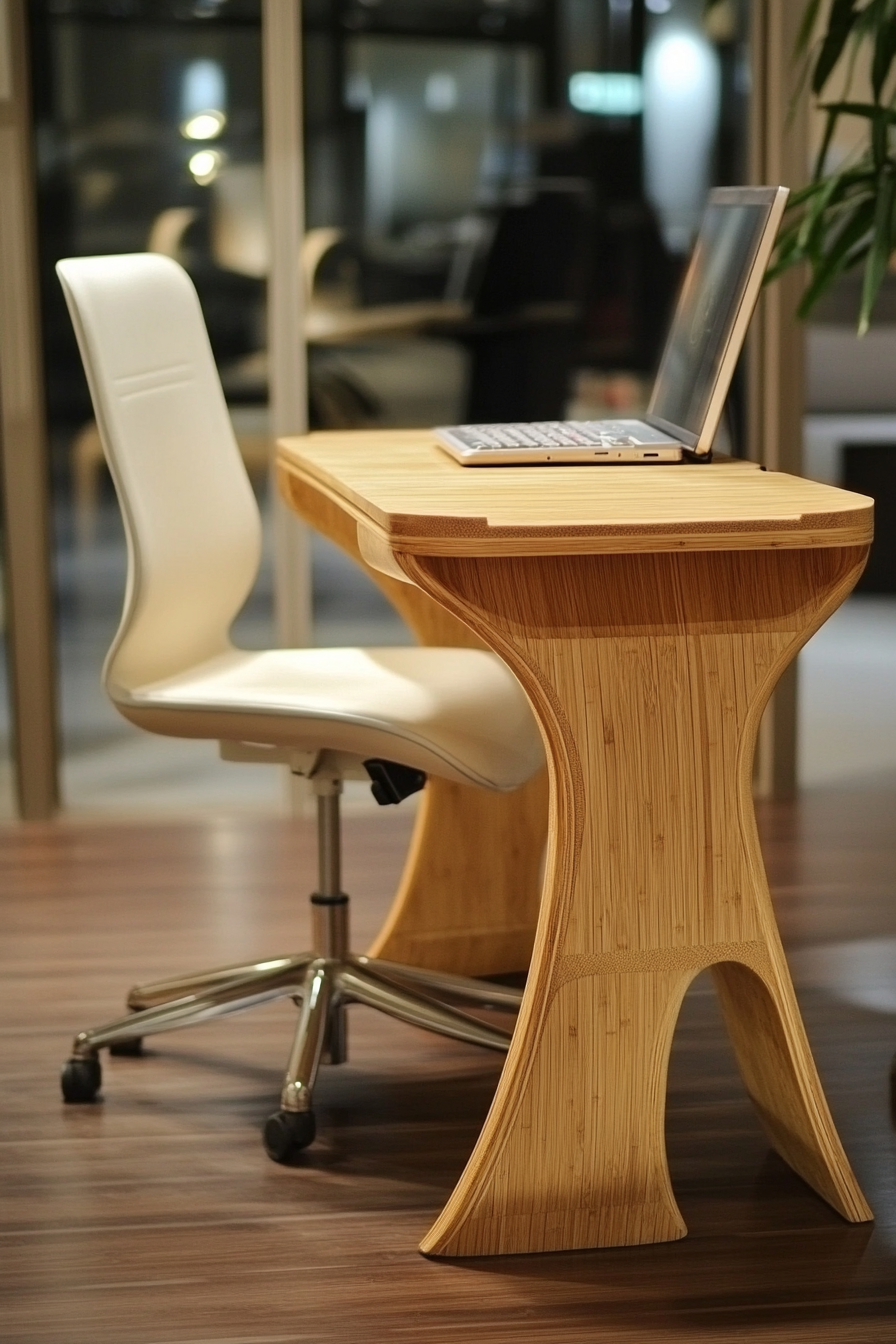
(545, 434)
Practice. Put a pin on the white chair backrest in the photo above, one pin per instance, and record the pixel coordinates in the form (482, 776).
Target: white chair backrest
(191, 521)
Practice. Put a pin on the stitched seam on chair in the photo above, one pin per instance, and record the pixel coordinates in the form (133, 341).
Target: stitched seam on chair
(154, 380)
(149, 391)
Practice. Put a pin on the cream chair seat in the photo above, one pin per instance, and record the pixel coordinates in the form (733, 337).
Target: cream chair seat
(389, 715)
(443, 711)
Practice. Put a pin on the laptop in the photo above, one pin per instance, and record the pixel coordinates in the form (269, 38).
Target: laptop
(715, 304)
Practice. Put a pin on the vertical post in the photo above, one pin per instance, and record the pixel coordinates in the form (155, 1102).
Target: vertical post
(288, 379)
(778, 154)
(23, 443)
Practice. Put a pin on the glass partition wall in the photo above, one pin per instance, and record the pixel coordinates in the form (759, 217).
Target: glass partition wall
(535, 169)
(499, 198)
(138, 110)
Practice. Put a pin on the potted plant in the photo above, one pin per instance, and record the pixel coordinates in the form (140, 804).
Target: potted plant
(845, 218)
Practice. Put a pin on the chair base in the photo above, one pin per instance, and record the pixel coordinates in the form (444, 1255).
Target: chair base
(322, 982)
(322, 987)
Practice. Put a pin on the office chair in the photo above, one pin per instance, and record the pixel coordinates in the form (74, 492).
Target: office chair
(391, 716)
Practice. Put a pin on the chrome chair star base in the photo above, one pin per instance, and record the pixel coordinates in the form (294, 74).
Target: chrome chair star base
(322, 981)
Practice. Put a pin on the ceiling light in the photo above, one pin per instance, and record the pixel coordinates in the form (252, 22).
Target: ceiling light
(206, 125)
(204, 165)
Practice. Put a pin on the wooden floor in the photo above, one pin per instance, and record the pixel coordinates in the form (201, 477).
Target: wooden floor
(155, 1218)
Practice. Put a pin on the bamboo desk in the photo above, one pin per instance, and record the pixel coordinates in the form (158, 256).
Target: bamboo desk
(648, 612)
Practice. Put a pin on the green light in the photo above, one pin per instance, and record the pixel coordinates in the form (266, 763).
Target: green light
(606, 93)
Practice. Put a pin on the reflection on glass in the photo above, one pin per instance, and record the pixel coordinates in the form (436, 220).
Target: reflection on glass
(449, 175)
(138, 109)
(682, 90)
(710, 298)
(440, 122)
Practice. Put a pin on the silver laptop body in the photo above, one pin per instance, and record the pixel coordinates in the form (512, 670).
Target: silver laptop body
(715, 304)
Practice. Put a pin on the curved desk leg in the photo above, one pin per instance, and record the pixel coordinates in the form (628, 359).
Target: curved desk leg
(468, 898)
(769, 1039)
(648, 673)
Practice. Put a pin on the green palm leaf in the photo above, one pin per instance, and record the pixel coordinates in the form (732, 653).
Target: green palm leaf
(845, 217)
(880, 250)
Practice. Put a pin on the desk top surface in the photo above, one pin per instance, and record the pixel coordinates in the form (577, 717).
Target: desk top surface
(401, 487)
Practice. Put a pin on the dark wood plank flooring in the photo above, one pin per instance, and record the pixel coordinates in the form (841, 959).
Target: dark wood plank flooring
(155, 1218)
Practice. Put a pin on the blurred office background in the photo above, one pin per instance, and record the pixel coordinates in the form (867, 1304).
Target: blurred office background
(500, 197)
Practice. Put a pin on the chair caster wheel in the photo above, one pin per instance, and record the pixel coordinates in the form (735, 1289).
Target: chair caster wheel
(81, 1079)
(131, 1049)
(286, 1132)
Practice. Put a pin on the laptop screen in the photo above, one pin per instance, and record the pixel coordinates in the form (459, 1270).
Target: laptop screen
(707, 308)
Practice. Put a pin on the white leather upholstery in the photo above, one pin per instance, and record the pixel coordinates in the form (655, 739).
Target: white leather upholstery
(192, 525)
(193, 535)
(452, 712)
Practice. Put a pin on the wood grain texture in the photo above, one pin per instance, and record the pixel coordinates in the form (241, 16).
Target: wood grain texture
(468, 907)
(399, 484)
(648, 614)
(648, 675)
